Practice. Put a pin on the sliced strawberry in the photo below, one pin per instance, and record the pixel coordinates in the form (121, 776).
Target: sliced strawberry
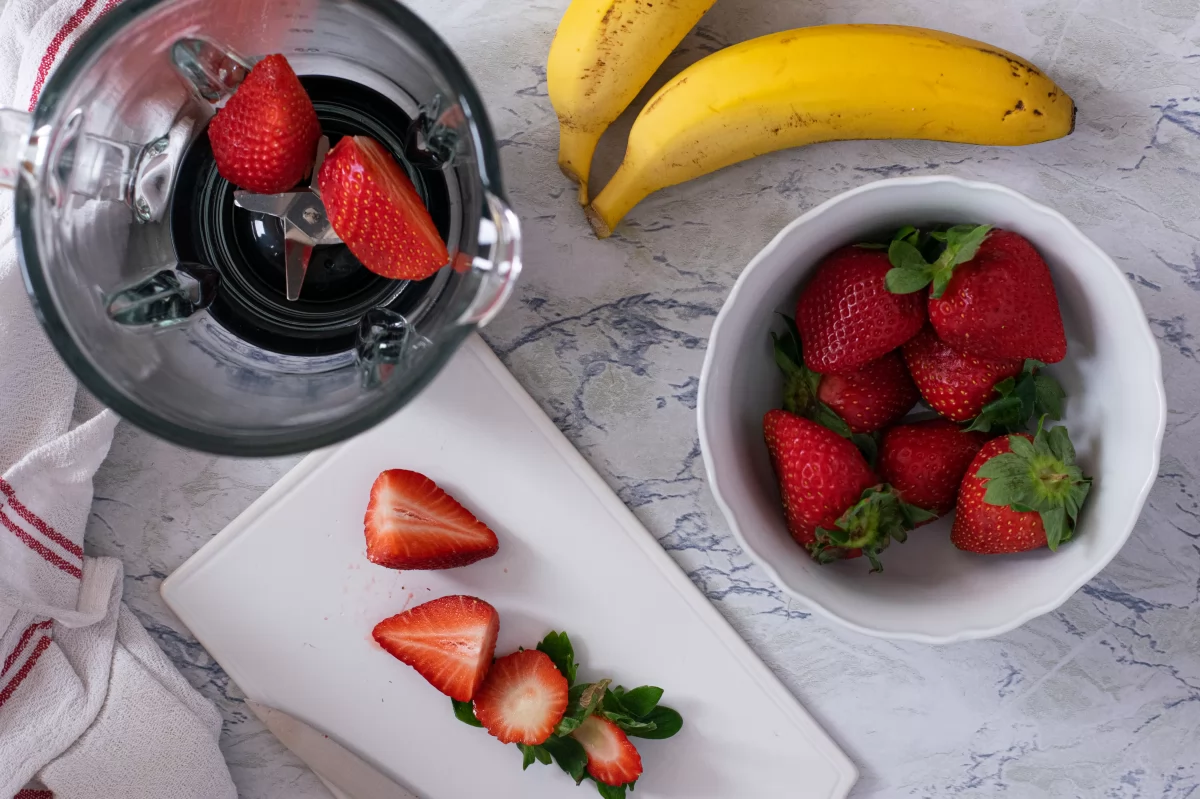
(375, 209)
(265, 138)
(412, 524)
(523, 698)
(611, 758)
(449, 641)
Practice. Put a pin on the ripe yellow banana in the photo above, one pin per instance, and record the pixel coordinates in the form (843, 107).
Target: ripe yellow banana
(828, 83)
(603, 54)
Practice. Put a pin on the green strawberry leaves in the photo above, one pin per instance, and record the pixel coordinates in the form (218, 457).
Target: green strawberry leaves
(911, 271)
(1039, 476)
(1030, 395)
(869, 525)
(558, 647)
(661, 722)
(638, 713)
(641, 701)
(613, 791)
(800, 385)
(465, 712)
(568, 754)
(635, 711)
(532, 753)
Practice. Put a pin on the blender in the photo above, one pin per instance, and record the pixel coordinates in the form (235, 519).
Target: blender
(233, 323)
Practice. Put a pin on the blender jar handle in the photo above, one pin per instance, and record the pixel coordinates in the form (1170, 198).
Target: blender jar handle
(18, 147)
(502, 231)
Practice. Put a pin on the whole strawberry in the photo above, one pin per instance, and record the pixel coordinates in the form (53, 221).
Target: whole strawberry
(832, 501)
(992, 294)
(991, 395)
(956, 386)
(375, 209)
(872, 397)
(265, 137)
(924, 462)
(1021, 492)
(859, 402)
(848, 318)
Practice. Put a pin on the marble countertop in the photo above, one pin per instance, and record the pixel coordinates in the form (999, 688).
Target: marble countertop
(1098, 699)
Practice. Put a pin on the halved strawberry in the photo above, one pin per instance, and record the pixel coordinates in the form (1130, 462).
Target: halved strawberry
(375, 209)
(265, 138)
(412, 524)
(523, 698)
(449, 641)
(611, 758)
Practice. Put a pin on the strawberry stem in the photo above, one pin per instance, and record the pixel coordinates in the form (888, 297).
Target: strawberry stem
(1039, 476)
(869, 525)
(911, 271)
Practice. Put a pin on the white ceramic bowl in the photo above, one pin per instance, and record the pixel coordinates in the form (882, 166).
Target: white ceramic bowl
(929, 591)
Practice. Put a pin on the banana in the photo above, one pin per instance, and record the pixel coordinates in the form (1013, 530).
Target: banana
(828, 83)
(601, 57)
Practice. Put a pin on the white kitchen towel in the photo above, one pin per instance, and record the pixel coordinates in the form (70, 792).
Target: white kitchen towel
(89, 705)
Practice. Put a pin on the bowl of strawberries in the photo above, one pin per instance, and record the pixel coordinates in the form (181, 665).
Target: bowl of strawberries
(931, 409)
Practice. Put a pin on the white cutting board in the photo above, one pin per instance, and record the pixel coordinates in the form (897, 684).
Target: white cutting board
(285, 600)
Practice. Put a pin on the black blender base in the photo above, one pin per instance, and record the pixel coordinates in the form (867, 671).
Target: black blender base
(247, 248)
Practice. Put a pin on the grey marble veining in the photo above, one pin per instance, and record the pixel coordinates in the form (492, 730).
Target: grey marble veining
(1099, 699)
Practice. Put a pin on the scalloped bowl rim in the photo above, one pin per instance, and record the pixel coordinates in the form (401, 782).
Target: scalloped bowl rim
(967, 632)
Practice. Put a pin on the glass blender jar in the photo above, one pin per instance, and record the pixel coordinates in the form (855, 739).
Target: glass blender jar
(170, 301)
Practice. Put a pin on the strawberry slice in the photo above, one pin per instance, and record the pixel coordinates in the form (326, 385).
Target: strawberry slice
(412, 524)
(449, 641)
(523, 698)
(375, 209)
(265, 138)
(611, 758)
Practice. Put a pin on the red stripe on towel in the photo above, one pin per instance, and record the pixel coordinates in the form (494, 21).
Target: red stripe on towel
(56, 43)
(23, 672)
(21, 644)
(40, 548)
(39, 525)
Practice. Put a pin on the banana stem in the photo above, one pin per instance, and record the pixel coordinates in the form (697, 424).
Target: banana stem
(619, 196)
(575, 150)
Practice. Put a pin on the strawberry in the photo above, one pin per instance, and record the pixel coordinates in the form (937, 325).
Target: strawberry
(523, 698)
(611, 758)
(449, 641)
(873, 397)
(375, 209)
(265, 137)
(956, 386)
(925, 462)
(1003, 395)
(1021, 492)
(992, 294)
(859, 402)
(848, 318)
(412, 524)
(831, 499)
